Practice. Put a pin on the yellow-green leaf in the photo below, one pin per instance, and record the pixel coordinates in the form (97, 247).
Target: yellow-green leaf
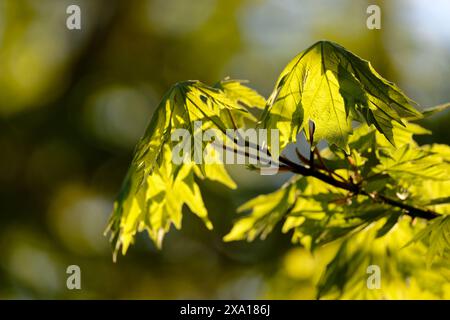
(331, 87)
(155, 188)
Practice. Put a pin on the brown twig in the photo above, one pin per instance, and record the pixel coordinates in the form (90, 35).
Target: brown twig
(356, 189)
(287, 165)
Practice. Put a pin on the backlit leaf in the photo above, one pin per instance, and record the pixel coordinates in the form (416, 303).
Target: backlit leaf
(437, 234)
(331, 86)
(266, 212)
(156, 188)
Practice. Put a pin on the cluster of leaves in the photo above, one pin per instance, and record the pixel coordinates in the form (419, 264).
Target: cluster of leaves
(155, 188)
(369, 126)
(332, 87)
(372, 233)
(404, 273)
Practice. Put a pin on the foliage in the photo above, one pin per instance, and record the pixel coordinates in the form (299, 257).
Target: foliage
(404, 274)
(366, 190)
(331, 86)
(155, 189)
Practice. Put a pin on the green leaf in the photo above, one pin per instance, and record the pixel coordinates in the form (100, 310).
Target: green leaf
(428, 112)
(410, 162)
(345, 270)
(331, 87)
(155, 188)
(402, 134)
(423, 191)
(240, 94)
(266, 211)
(316, 212)
(437, 233)
(443, 200)
(436, 109)
(389, 224)
(402, 270)
(322, 217)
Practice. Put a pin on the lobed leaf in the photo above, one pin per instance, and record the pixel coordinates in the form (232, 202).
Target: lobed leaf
(409, 162)
(402, 275)
(331, 86)
(266, 212)
(437, 234)
(155, 188)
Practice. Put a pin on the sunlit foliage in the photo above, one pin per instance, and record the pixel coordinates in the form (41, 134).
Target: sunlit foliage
(362, 190)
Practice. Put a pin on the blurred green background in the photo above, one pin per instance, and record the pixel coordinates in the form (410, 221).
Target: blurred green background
(74, 103)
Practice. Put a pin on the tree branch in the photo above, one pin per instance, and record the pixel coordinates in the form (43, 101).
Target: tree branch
(410, 210)
(287, 165)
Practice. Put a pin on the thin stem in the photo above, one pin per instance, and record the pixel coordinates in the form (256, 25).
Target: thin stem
(331, 172)
(245, 153)
(356, 189)
(287, 165)
(301, 157)
(312, 128)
